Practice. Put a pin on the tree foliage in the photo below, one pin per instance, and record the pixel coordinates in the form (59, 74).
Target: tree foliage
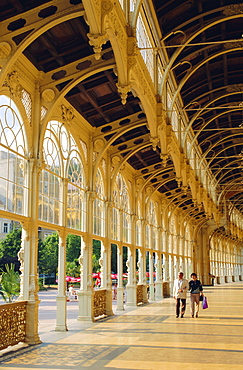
(113, 258)
(9, 283)
(73, 247)
(96, 256)
(72, 269)
(9, 247)
(95, 264)
(48, 254)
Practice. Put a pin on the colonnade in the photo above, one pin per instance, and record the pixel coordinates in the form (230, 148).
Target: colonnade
(71, 175)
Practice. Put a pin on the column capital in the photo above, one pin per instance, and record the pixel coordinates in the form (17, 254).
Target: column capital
(91, 195)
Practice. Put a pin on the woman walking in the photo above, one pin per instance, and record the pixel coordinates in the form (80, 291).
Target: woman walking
(196, 288)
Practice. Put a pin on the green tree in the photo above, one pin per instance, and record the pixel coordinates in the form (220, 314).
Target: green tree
(9, 247)
(114, 258)
(95, 264)
(72, 269)
(48, 254)
(96, 248)
(96, 255)
(73, 247)
(9, 283)
(125, 256)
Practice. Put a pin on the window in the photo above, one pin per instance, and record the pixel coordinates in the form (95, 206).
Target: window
(13, 158)
(5, 227)
(63, 176)
(145, 44)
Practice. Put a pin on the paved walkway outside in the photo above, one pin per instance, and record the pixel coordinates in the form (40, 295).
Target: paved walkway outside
(146, 337)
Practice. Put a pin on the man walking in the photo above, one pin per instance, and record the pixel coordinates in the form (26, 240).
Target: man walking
(179, 293)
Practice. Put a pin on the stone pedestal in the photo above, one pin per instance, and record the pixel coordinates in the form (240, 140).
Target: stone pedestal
(159, 290)
(32, 336)
(61, 313)
(151, 292)
(120, 299)
(131, 295)
(85, 306)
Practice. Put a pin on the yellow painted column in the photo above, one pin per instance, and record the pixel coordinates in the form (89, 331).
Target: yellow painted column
(85, 295)
(182, 264)
(141, 266)
(131, 285)
(166, 267)
(142, 258)
(158, 282)
(24, 259)
(31, 287)
(142, 273)
(151, 276)
(205, 265)
(171, 272)
(106, 275)
(176, 266)
(185, 268)
(29, 248)
(131, 264)
(120, 288)
(166, 257)
(61, 318)
(106, 254)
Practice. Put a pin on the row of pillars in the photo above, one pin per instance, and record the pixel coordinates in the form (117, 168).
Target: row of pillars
(226, 269)
(165, 264)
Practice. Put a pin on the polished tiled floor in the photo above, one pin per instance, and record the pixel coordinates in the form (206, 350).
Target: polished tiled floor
(147, 337)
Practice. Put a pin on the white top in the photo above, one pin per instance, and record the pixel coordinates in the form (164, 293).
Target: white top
(180, 285)
(71, 290)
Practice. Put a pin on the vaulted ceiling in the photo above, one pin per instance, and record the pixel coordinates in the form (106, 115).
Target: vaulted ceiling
(208, 71)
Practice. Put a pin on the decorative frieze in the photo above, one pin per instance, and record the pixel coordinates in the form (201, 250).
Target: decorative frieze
(233, 9)
(67, 114)
(12, 82)
(235, 88)
(234, 45)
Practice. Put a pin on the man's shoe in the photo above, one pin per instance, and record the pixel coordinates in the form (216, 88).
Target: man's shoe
(196, 314)
(177, 316)
(182, 315)
(192, 315)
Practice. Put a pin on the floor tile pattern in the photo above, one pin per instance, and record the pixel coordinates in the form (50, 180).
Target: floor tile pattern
(147, 337)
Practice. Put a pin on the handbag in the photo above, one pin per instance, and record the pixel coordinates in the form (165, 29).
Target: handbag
(204, 303)
(201, 298)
